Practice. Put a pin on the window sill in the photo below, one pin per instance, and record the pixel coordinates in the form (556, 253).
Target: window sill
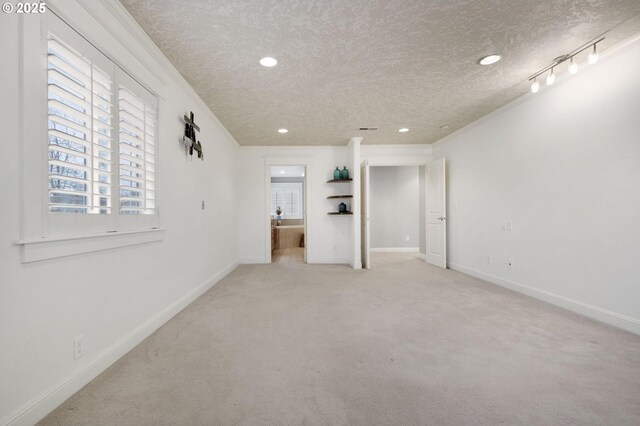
(36, 249)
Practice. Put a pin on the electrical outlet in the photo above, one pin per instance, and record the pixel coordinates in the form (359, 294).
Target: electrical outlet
(510, 264)
(78, 347)
(503, 225)
(489, 260)
(408, 238)
(202, 204)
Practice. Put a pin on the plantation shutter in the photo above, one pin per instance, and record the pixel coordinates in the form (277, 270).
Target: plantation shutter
(137, 111)
(277, 200)
(287, 195)
(80, 131)
(292, 199)
(101, 141)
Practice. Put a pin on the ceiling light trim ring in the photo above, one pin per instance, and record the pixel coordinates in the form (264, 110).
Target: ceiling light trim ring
(268, 62)
(490, 59)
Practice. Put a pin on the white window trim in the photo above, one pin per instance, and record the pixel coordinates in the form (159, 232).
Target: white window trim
(51, 248)
(35, 245)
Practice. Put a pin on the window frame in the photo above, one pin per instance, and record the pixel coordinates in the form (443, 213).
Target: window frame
(38, 228)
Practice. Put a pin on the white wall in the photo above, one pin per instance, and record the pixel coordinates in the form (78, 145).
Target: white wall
(422, 209)
(114, 297)
(394, 199)
(564, 166)
(328, 238)
(396, 155)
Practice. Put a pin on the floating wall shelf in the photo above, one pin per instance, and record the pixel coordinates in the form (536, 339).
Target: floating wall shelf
(345, 196)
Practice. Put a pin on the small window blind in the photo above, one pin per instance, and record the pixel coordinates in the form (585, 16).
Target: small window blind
(80, 132)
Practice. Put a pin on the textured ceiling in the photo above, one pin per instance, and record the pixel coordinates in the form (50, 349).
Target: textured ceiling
(344, 64)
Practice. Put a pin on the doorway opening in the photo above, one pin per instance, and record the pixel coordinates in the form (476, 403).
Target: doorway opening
(394, 214)
(403, 212)
(288, 213)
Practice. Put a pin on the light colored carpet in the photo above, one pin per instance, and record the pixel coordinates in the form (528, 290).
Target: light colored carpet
(403, 344)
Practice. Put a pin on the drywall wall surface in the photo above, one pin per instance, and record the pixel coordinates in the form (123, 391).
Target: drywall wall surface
(422, 207)
(394, 203)
(113, 297)
(395, 155)
(552, 182)
(327, 238)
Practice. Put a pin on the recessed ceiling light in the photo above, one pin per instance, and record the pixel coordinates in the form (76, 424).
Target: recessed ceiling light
(283, 131)
(268, 62)
(488, 60)
(281, 172)
(403, 130)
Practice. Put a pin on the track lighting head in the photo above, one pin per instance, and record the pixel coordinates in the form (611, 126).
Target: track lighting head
(593, 56)
(551, 78)
(573, 66)
(535, 86)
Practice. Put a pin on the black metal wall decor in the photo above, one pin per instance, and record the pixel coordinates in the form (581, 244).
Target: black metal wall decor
(189, 140)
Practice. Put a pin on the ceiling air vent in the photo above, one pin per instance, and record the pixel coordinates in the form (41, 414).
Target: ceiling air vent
(368, 128)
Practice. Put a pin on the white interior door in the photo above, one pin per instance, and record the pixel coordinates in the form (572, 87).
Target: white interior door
(364, 223)
(436, 213)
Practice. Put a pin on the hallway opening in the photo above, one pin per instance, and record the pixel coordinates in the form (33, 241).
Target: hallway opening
(287, 211)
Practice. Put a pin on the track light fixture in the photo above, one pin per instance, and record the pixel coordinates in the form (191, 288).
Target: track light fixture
(573, 66)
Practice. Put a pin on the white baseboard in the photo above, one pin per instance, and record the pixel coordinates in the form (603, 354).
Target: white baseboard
(395, 250)
(422, 256)
(330, 261)
(310, 261)
(38, 407)
(617, 320)
(254, 261)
